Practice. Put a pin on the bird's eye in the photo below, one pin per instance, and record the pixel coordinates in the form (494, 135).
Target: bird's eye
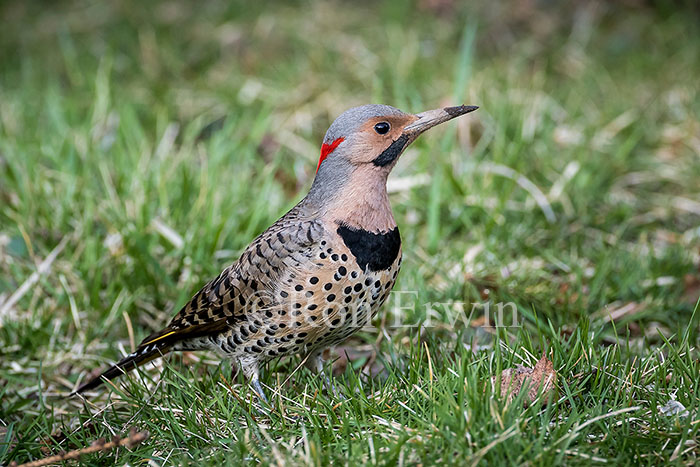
(382, 128)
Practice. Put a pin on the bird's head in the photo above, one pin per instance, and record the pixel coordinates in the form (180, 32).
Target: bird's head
(372, 137)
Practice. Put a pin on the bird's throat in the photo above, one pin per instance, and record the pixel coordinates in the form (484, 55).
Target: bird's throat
(363, 203)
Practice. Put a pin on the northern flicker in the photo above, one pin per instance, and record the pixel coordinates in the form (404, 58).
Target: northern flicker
(320, 272)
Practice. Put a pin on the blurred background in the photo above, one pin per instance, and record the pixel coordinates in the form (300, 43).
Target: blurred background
(144, 144)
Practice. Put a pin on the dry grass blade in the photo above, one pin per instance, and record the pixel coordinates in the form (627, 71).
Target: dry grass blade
(44, 268)
(617, 311)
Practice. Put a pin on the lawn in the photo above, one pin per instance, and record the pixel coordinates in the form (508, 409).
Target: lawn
(142, 148)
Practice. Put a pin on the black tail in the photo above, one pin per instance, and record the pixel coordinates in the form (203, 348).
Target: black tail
(142, 356)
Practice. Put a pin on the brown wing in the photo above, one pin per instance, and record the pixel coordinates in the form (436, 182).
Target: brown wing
(252, 280)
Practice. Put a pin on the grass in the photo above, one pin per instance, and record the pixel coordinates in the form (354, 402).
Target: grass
(147, 147)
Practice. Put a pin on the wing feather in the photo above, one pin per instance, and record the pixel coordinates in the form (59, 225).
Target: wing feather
(257, 274)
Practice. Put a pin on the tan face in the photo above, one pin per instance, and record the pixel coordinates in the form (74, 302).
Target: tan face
(376, 135)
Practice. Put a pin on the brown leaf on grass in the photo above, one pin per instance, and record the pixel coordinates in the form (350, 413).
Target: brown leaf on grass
(541, 379)
(344, 357)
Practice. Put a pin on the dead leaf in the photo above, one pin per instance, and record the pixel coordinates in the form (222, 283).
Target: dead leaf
(344, 357)
(673, 407)
(538, 380)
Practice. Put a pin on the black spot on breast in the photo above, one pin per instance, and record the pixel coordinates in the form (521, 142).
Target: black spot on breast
(373, 251)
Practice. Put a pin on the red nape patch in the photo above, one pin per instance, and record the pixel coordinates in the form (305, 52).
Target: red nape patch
(326, 149)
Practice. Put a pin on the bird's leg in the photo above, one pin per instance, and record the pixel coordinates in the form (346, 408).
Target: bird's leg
(234, 370)
(255, 383)
(315, 363)
(252, 374)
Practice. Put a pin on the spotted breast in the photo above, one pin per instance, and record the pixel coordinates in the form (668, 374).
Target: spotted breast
(329, 293)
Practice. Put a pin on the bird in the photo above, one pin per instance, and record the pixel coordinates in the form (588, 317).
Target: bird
(319, 273)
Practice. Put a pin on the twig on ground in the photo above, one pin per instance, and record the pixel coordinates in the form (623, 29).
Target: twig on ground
(134, 438)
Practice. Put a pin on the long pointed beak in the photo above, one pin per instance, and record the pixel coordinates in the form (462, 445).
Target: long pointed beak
(431, 118)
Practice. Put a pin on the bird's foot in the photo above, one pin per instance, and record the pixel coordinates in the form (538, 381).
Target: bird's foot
(332, 389)
(257, 387)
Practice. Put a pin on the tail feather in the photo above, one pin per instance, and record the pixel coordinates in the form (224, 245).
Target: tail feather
(141, 356)
(152, 347)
